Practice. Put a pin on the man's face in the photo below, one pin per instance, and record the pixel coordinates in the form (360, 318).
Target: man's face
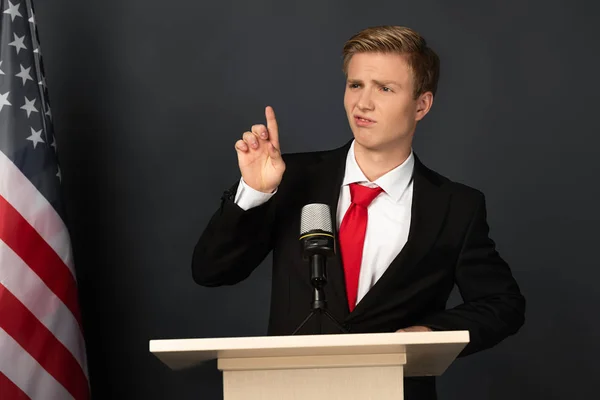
(379, 101)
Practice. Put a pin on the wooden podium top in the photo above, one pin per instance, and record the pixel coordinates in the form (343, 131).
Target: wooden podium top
(427, 353)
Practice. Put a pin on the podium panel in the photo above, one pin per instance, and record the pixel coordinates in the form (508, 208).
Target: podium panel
(376, 383)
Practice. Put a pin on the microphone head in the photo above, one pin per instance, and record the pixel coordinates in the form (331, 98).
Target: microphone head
(316, 231)
(315, 217)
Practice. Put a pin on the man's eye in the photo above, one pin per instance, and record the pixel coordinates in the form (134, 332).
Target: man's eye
(354, 85)
(386, 89)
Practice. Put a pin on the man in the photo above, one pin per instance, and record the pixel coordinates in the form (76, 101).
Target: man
(405, 233)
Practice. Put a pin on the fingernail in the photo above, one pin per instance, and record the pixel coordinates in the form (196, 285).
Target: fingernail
(263, 135)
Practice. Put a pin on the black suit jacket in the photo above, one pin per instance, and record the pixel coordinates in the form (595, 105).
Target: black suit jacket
(448, 244)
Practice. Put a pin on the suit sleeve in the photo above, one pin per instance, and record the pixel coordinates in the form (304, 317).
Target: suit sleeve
(234, 242)
(248, 198)
(493, 307)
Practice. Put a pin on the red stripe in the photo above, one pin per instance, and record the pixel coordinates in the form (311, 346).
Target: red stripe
(10, 391)
(41, 344)
(24, 240)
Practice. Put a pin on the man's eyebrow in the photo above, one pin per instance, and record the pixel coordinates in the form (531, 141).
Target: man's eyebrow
(380, 83)
(386, 82)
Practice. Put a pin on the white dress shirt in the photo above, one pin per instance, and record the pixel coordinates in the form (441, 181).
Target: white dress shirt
(389, 215)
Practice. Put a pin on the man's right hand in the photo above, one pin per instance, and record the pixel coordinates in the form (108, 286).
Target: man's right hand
(259, 156)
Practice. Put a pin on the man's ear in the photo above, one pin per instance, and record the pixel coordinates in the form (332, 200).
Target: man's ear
(424, 103)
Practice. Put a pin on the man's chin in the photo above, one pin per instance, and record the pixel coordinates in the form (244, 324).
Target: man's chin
(374, 144)
(368, 140)
(369, 144)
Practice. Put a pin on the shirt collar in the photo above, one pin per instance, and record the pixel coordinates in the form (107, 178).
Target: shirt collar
(393, 183)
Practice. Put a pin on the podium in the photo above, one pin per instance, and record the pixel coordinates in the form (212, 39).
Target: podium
(317, 367)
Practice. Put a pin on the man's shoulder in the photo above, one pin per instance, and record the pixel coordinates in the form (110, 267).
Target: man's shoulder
(313, 155)
(459, 190)
(315, 159)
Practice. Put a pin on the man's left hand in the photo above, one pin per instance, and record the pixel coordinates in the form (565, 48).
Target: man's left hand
(415, 329)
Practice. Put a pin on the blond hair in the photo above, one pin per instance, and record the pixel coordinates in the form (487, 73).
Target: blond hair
(422, 60)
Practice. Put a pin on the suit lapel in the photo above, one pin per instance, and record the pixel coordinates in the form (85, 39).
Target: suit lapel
(331, 171)
(428, 211)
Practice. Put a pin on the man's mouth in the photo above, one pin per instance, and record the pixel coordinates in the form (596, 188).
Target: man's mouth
(363, 119)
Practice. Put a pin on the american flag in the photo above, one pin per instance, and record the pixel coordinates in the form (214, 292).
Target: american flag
(42, 349)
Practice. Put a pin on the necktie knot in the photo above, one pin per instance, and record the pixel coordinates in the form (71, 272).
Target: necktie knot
(363, 195)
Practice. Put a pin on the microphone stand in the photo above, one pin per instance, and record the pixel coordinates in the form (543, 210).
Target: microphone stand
(318, 279)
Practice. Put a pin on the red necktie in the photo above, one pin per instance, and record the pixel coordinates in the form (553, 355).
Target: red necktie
(352, 236)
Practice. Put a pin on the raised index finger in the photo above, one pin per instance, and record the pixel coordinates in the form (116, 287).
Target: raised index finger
(272, 126)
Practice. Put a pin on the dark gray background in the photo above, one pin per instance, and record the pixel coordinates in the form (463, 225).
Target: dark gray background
(149, 96)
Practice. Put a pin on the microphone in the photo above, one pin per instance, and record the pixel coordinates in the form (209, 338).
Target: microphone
(317, 240)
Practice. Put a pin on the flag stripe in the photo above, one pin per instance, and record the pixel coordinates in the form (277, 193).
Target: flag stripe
(33, 206)
(26, 373)
(8, 390)
(26, 286)
(16, 232)
(38, 341)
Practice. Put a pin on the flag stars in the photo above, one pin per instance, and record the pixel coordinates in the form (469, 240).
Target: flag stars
(49, 112)
(4, 100)
(29, 106)
(18, 42)
(13, 10)
(59, 174)
(36, 137)
(24, 74)
(1, 72)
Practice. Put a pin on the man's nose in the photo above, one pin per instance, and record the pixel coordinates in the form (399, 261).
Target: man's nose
(365, 101)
